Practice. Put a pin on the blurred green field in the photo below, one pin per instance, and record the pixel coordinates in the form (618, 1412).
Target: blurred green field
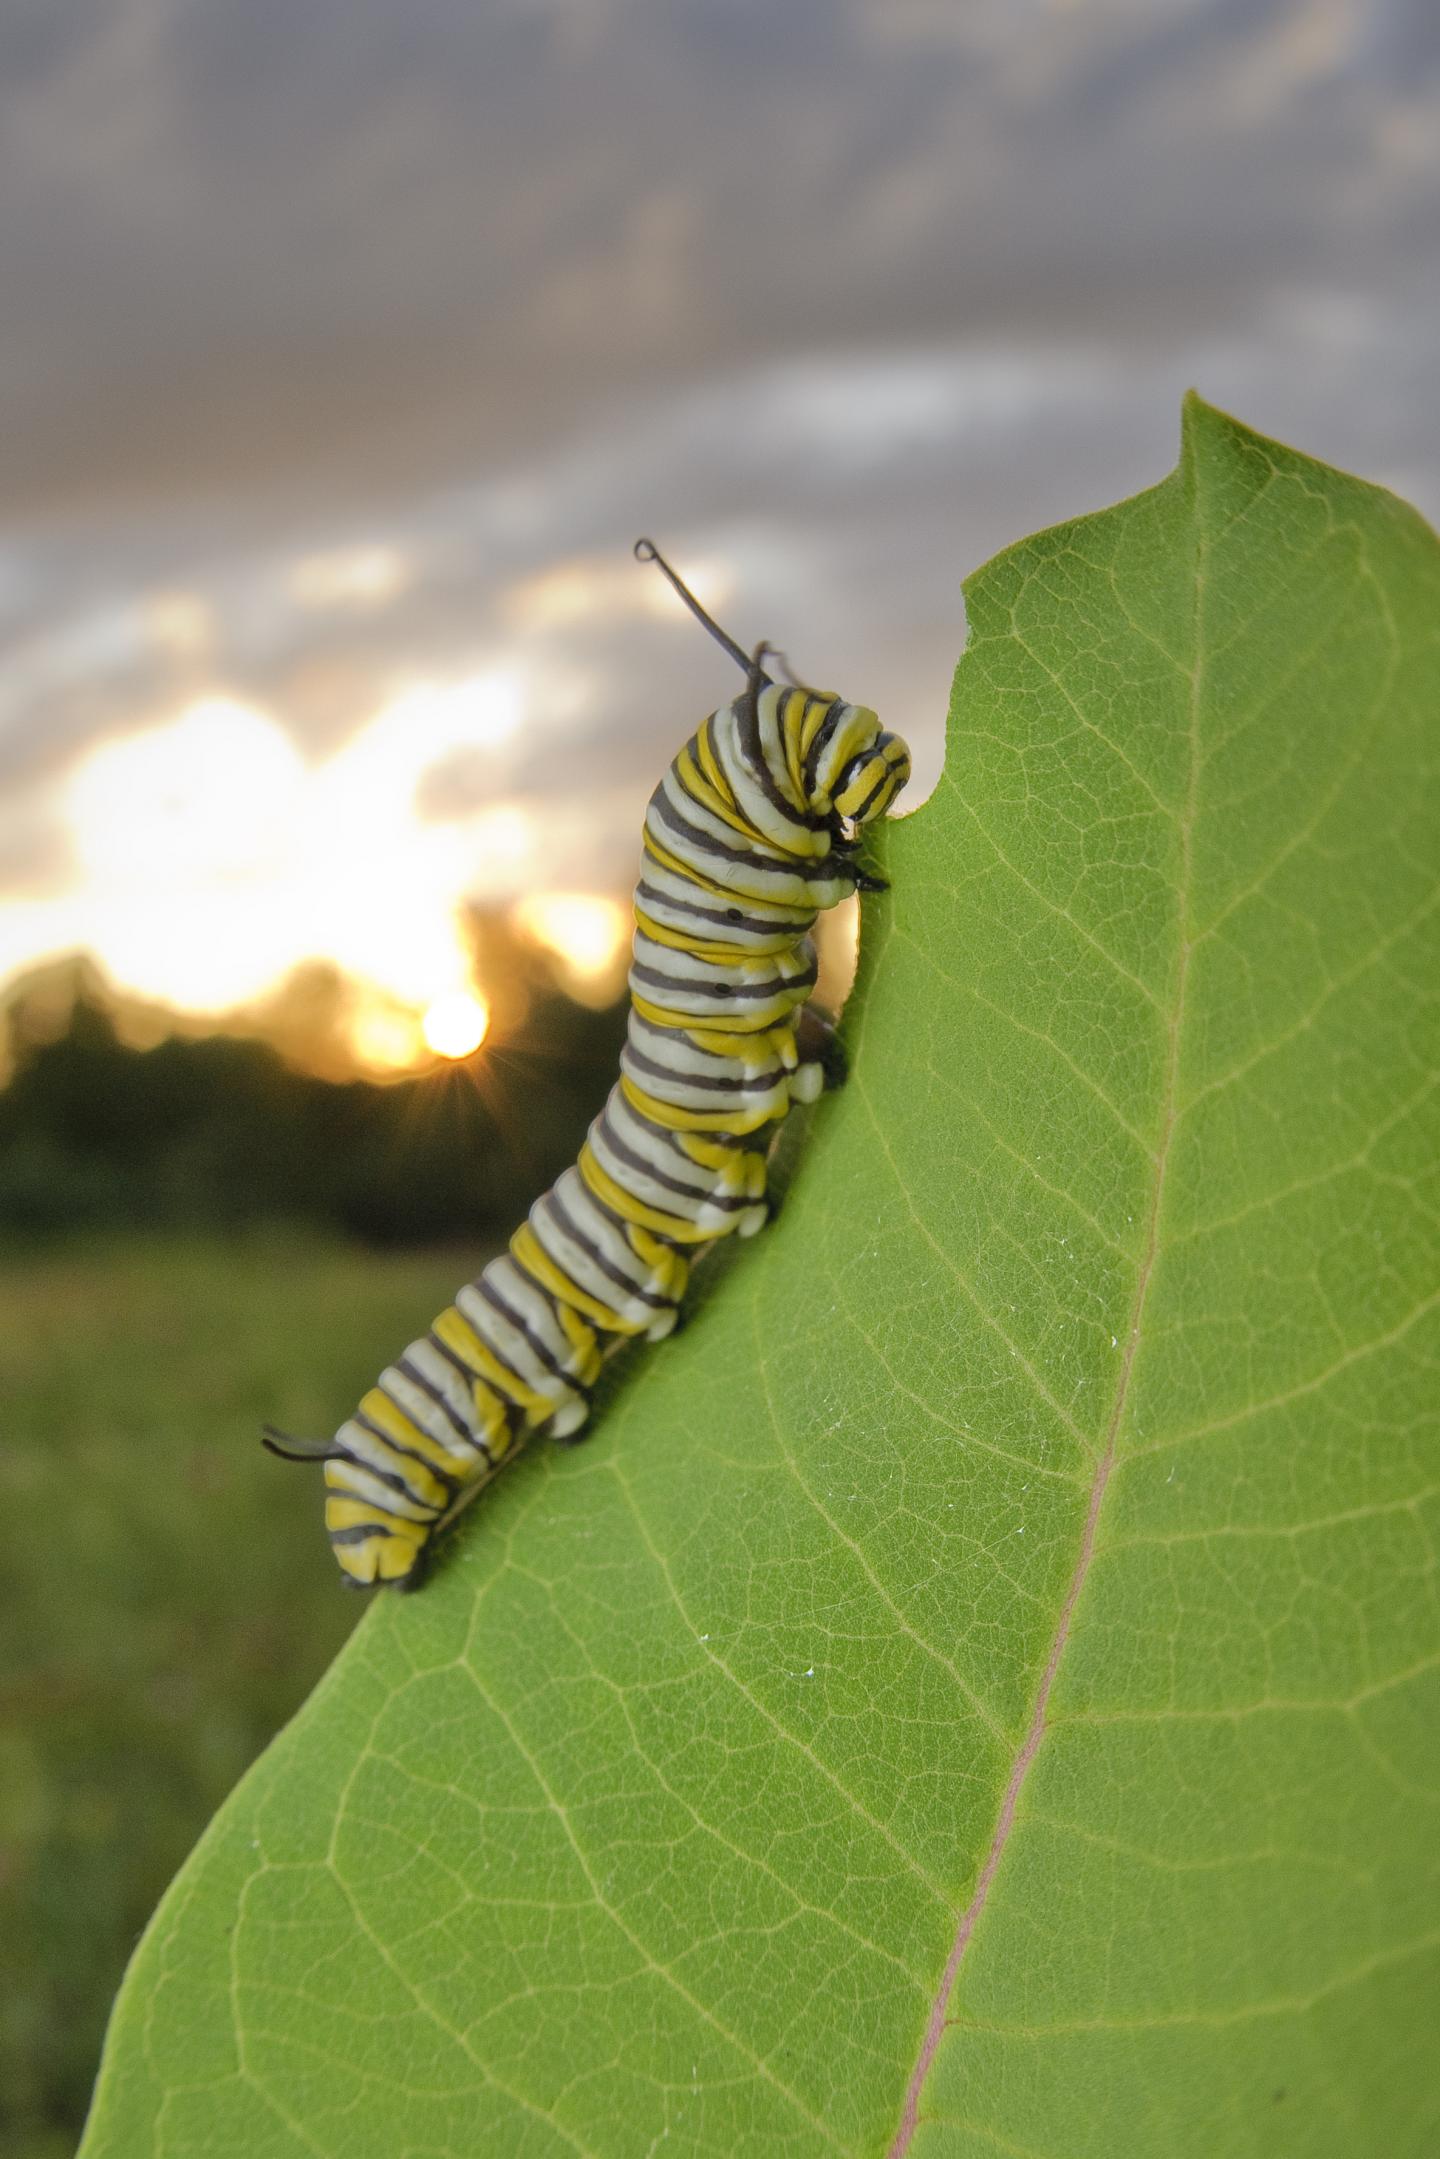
(168, 1597)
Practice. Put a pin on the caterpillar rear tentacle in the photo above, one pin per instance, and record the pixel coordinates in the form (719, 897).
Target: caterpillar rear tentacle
(750, 835)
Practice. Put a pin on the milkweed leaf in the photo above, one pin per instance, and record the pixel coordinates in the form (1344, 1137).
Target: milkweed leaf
(976, 1692)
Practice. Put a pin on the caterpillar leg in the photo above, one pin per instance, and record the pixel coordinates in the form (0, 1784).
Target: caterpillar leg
(823, 1062)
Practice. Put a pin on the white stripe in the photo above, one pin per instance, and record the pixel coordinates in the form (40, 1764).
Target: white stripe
(750, 797)
(444, 1378)
(574, 1261)
(513, 1349)
(431, 1419)
(784, 917)
(363, 1484)
(537, 1308)
(628, 1128)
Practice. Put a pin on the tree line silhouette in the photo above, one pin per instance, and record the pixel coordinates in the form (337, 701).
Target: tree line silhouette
(223, 1130)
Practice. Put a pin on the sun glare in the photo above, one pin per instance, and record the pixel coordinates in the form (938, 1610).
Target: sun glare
(428, 720)
(585, 932)
(211, 858)
(456, 1026)
(208, 793)
(386, 1039)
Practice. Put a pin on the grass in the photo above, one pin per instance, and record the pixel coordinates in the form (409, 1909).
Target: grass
(169, 1599)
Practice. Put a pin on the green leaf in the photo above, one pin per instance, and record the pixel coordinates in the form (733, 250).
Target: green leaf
(987, 1667)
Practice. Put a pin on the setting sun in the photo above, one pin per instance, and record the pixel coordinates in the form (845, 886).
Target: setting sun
(209, 857)
(455, 1026)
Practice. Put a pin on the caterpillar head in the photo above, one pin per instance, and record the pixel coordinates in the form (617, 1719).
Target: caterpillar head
(856, 767)
(836, 757)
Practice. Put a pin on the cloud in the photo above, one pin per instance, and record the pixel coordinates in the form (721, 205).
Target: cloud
(348, 347)
(349, 246)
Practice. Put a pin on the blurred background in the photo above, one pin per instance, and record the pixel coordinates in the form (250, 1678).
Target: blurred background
(346, 350)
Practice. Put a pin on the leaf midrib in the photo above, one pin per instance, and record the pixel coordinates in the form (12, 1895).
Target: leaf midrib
(1030, 1745)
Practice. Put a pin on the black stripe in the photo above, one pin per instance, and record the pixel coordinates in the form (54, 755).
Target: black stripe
(702, 842)
(543, 1355)
(763, 857)
(637, 1166)
(850, 772)
(816, 750)
(631, 1054)
(359, 1533)
(597, 1326)
(452, 1356)
(636, 1162)
(607, 1267)
(745, 992)
(628, 1230)
(741, 1142)
(858, 811)
(649, 1065)
(785, 918)
(499, 1386)
(427, 1386)
(368, 1424)
(391, 1477)
(658, 1032)
(676, 1140)
(802, 820)
(639, 972)
(660, 1135)
(757, 766)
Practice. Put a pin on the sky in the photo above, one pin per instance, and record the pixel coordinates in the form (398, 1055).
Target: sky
(348, 346)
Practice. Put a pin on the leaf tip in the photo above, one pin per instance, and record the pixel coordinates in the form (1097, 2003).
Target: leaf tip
(1213, 442)
(1203, 425)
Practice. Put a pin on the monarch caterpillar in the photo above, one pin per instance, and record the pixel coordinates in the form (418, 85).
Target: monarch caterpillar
(750, 834)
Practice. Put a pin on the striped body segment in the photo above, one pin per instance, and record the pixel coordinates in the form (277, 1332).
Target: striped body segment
(750, 834)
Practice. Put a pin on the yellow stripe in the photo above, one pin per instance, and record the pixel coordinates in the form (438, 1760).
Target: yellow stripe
(759, 1022)
(814, 717)
(670, 862)
(854, 795)
(669, 1271)
(780, 1042)
(456, 1332)
(634, 1209)
(362, 1514)
(848, 741)
(739, 1171)
(687, 1120)
(490, 1403)
(506, 1382)
(693, 947)
(582, 1340)
(711, 766)
(532, 1255)
(770, 947)
(394, 1422)
(423, 1484)
(697, 788)
(792, 727)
